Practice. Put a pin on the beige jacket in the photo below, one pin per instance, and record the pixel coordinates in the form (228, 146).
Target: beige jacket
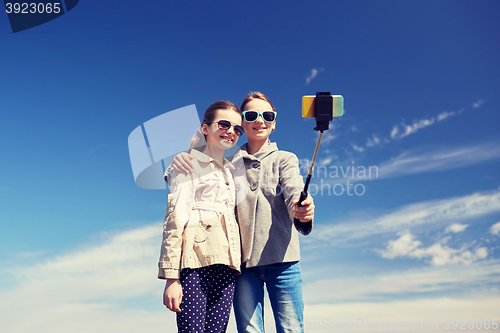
(200, 228)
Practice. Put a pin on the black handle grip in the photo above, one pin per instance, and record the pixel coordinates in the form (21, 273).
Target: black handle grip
(303, 196)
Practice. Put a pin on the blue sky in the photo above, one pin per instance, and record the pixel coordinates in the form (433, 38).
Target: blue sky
(80, 240)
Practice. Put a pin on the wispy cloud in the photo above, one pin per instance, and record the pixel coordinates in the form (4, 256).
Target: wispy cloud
(357, 148)
(314, 73)
(403, 129)
(89, 290)
(422, 280)
(445, 114)
(373, 141)
(478, 104)
(495, 229)
(403, 219)
(329, 136)
(428, 314)
(421, 160)
(438, 159)
(326, 160)
(456, 228)
(112, 287)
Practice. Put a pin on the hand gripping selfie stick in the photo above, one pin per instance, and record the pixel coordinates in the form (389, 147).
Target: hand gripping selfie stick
(323, 107)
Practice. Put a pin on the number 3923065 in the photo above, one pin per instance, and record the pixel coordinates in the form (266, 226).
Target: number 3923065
(32, 8)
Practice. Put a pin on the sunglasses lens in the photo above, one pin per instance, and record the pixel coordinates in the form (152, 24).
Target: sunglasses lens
(268, 116)
(251, 116)
(224, 124)
(239, 130)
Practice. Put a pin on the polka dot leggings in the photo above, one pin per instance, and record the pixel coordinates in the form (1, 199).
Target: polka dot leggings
(206, 300)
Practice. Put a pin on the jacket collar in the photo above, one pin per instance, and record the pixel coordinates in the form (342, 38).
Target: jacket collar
(269, 149)
(207, 159)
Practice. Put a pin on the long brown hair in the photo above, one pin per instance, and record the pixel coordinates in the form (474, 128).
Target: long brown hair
(199, 139)
(255, 95)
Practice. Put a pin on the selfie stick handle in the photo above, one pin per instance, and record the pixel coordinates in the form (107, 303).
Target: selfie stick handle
(303, 194)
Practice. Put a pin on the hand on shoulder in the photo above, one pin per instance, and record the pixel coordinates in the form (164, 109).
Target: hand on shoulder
(182, 163)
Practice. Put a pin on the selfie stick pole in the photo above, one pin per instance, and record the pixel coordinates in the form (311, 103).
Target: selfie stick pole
(323, 106)
(303, 194)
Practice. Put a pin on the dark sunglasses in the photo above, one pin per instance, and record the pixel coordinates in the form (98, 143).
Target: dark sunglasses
(225, 125)
(267, 116)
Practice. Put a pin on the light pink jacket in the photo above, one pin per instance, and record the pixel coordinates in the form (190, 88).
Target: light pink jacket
(200, 228)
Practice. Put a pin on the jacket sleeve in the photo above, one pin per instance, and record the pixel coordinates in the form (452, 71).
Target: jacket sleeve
(291, 186)
(180, 203)
(168, 174)
(170, 171)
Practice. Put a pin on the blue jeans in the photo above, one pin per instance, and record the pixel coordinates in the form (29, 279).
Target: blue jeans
(284, 286)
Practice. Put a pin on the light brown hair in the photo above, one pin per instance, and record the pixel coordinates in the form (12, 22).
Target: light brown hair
(255, 95)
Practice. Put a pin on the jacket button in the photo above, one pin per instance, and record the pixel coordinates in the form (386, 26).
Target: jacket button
(238, 187)
(208, 227)
(253, 186)
(255, 164)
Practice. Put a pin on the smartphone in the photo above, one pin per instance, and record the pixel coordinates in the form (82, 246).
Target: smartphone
(309, 109)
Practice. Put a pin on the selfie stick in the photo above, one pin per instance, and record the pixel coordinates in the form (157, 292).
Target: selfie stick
(323, 106)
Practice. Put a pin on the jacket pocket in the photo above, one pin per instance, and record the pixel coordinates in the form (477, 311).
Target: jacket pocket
(202, 232)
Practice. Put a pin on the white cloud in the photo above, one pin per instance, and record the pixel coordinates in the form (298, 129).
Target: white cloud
(478, 104)
(445, 114)
(437, 159)
(89, 290)
(456, 228)
(495, 229)
(112, 287)
(325, 161)
(474, 280)
(328, 136)
(424, 213)
(405, 130)
(402, 130)
(373, 141)
(314, 73)
(400, 247)
(439, 253)
(357, 148)
(417, 315)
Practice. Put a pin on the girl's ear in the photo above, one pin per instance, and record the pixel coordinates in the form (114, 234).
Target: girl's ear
(204, 129)
(273, 126)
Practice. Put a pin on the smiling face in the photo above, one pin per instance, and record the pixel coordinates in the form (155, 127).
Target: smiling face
(258, 130)
(220, 138)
